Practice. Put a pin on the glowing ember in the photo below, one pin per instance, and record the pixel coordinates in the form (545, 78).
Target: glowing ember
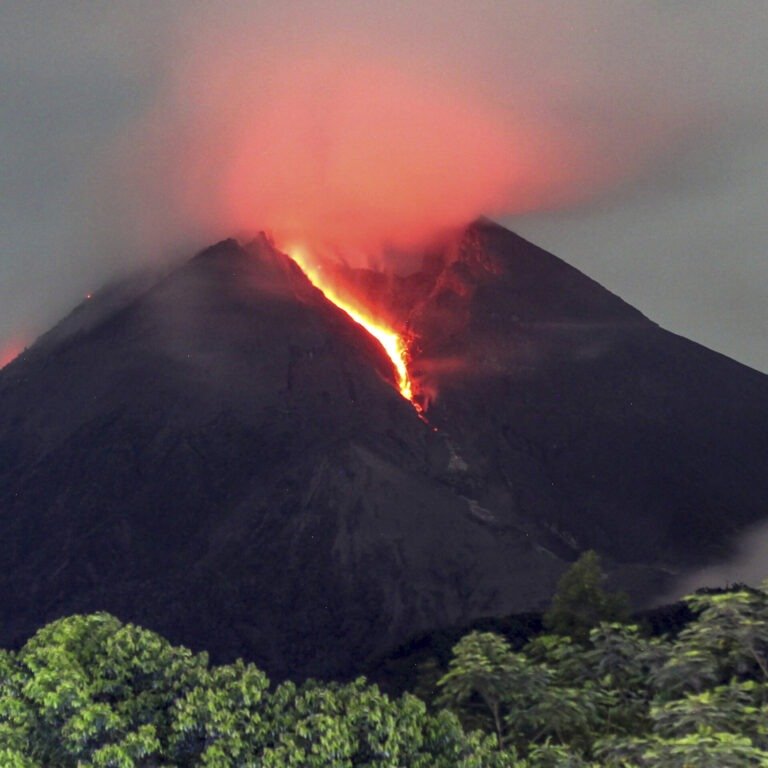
(393, 343)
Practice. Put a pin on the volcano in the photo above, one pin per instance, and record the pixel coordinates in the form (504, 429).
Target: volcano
(222, 454)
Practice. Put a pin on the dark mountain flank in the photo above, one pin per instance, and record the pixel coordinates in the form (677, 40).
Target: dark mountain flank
(221, 454)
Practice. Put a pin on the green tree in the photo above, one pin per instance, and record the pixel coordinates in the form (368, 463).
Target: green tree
(17, 720)
(580, 601)
(699, 750)
(485, 677)
(91, 692)
(220, 720)
(709, 705)
(97, 690)
(620, 661)
(13, 758)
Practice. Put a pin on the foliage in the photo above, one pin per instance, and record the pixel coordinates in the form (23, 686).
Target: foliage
(581, 603)
(623, 699)
(492, 683)
(92, 692)
(728, 640)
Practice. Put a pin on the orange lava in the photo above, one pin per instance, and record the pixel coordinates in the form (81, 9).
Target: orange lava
(393, 342)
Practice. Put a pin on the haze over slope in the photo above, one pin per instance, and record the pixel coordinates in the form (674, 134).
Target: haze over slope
(132, 127)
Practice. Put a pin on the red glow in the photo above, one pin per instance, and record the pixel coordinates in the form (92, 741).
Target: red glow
(365, 159)
(10, 352)
(344, 148)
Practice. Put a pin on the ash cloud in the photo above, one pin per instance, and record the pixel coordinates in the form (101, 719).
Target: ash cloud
(362, 130)
(131, 129)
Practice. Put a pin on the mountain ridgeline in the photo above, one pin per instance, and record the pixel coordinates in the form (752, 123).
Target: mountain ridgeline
(221, 455)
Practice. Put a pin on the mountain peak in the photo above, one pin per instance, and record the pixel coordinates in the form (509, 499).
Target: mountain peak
(222, 455)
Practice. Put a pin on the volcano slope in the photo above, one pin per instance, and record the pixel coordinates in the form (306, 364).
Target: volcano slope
(594, 423)
(226, 459)
(222, 455)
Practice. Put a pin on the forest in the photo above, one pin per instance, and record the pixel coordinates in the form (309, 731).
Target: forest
(594, 688)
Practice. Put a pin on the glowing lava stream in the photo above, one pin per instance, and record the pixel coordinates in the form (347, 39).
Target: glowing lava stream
(393, 343)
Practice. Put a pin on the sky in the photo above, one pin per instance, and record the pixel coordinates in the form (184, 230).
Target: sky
(628, 138)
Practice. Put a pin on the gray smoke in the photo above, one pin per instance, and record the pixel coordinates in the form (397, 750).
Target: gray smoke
(748, 565)
(663, 104)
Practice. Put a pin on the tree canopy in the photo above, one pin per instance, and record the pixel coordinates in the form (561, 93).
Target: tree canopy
(93, 692)
(581, 602)
(624, 700)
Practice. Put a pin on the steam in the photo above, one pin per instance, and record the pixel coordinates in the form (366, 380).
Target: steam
(748, 565)
(346, 138)
(139, 128)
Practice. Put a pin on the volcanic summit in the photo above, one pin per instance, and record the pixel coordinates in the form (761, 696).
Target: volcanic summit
(222, 454)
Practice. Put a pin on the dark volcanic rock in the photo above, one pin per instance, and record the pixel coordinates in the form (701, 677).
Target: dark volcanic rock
(225, 459)
(222, 455)
(594, 423)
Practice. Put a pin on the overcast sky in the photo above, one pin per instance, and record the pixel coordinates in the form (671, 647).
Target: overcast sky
(644, 127)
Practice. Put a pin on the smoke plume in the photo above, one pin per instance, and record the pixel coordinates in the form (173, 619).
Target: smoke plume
(343, 138)
(628, 130)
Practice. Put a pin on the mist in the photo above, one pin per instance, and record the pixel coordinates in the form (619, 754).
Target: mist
(144, 129)
(349, 137)
(748, 564)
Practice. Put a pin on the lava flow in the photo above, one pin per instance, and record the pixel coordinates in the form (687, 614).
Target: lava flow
(393, 342)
